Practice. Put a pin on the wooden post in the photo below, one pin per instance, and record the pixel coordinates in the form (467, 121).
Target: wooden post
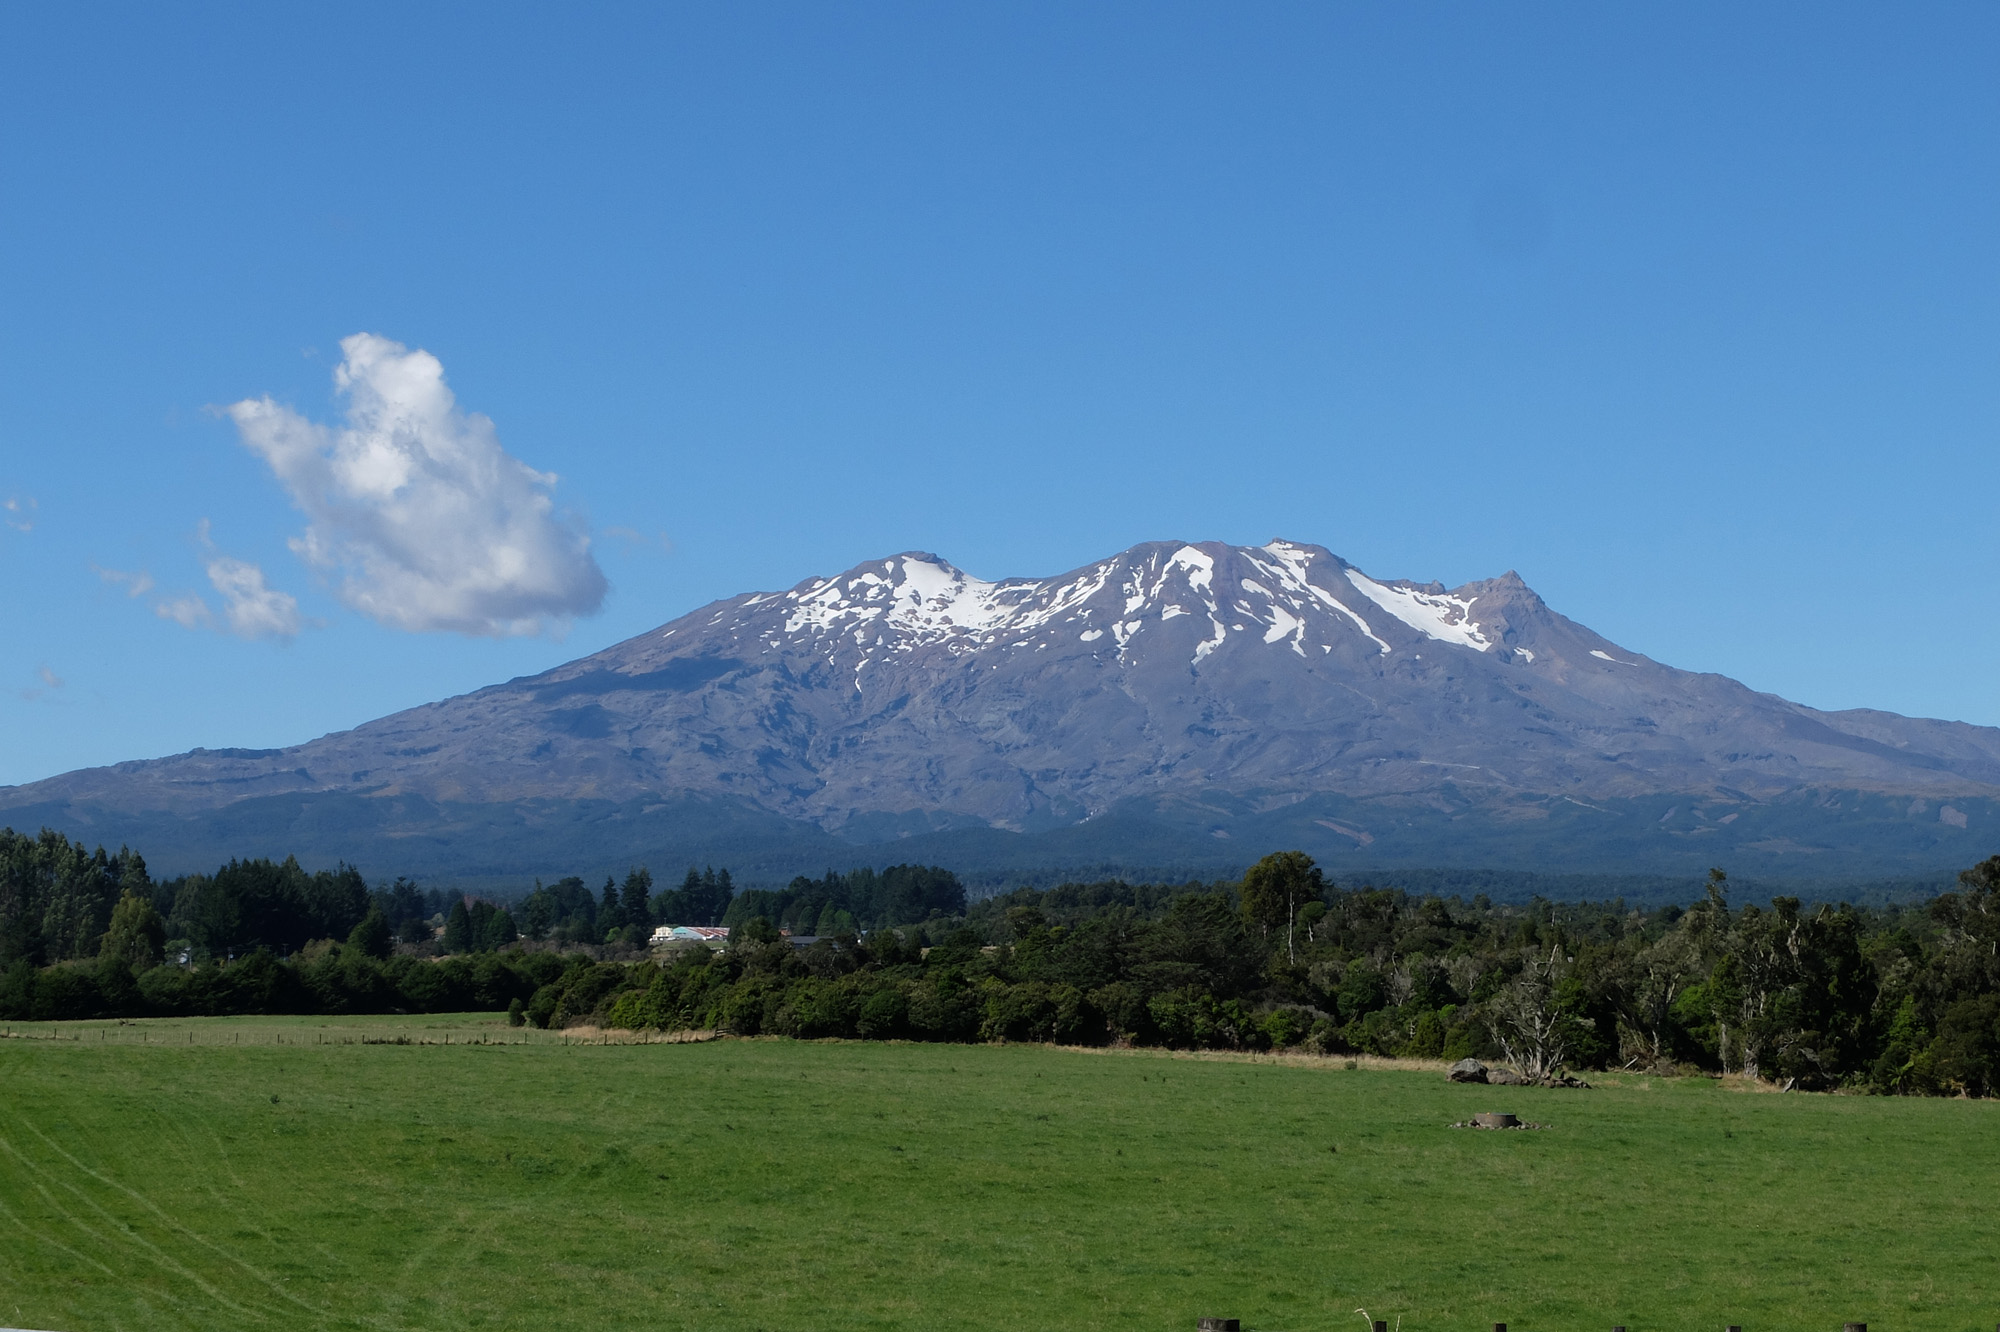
(1857, 1327)
(1381, 1326)
(1219, 1325)
(1499, 1327)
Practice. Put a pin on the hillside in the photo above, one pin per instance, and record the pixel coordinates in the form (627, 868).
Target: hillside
(1177, 706)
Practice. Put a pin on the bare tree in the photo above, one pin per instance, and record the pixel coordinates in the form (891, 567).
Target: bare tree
(1530, 1027)
(1661, 974)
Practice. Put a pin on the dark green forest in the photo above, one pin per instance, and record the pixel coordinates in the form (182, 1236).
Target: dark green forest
(1897, 999)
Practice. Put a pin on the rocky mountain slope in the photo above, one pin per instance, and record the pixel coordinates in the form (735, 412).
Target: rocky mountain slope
(1174, 704)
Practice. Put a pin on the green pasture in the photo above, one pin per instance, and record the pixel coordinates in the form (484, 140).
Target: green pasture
(275, 1172)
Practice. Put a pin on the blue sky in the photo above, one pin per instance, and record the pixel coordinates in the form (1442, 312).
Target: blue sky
(1690, 314)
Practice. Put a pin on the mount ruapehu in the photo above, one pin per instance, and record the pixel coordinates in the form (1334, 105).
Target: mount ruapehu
(1175, 708)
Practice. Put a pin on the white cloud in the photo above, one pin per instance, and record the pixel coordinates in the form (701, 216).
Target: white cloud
(189, 612)
(50, 683)
(19, 513)
(136, 584)
(430, 524)
(251, 608)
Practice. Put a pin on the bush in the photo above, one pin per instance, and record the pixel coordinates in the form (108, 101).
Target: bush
(884, 1014)
(815, 1009)
(1965, 1056)
(1324, 1039)
(66, 993)
(1284, 1027)
(1126, 1014)
(1427, 1036)
(943, 1007)
(1024, 1012)
(17, 990)
(742, 1008)
(1193, 1019)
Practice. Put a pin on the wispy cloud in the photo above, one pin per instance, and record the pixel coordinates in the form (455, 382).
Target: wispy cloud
(251, 607)
(634, 542)
(136, 584)
(429, 523)
(50, 683)
(189, 612)
(18, 512)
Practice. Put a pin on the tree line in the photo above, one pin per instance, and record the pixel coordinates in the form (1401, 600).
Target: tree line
(89, 934)
(57, 898)
(1900, 999)
(1895, 999)
(567, 911)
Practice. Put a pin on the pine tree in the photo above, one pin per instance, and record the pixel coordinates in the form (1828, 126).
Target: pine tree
(638, 887)
(719, 892)
(481, 915)
(372, 936)
(458, 929)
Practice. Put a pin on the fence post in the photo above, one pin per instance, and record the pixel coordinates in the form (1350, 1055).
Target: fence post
(1219, 1325)
(1857, 1327)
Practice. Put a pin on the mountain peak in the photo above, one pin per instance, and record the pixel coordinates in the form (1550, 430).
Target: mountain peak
(1285, 595)
(908, 696)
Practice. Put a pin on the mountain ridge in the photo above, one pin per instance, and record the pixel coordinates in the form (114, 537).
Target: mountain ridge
(906, 698)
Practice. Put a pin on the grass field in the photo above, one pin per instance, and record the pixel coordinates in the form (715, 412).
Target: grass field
(245, 1173)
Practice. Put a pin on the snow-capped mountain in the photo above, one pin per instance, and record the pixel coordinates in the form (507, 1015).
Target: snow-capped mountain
(1206, 689)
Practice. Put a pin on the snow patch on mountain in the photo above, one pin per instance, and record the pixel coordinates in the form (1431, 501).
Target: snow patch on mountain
(1200, 566)
(1293, 572)
(1280, 595)
(1437, 615)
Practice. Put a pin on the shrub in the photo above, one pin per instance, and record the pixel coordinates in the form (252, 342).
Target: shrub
(1193, 1019)
(884, 1014)
(943, 1007)
(1285, 1026)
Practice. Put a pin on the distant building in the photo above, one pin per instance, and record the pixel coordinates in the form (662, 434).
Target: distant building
(709, 935)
